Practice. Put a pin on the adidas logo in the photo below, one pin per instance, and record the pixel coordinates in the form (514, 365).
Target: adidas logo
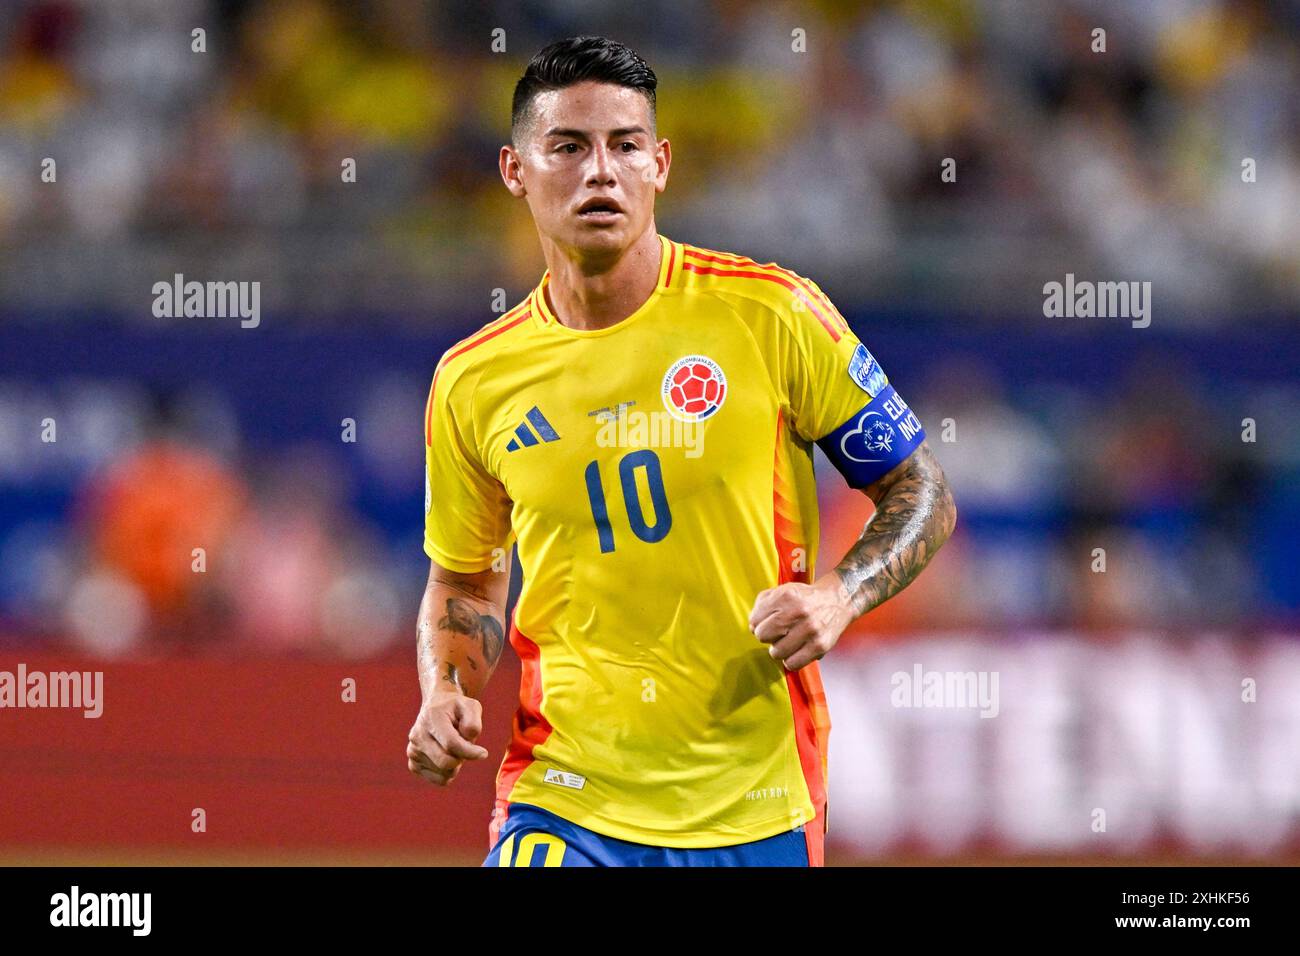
(574, 780)
(525, 437)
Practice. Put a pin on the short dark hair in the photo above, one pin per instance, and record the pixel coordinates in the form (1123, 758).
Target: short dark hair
(574, 60)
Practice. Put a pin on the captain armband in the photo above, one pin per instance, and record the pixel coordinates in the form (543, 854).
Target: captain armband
(875, 440)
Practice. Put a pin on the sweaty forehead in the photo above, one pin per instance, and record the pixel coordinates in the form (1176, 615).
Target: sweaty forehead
(592, 107)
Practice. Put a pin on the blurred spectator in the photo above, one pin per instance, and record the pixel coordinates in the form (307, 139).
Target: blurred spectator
(155, 519)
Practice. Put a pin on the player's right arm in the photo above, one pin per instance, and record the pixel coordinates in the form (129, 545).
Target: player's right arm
(462, 623)
(460, 636)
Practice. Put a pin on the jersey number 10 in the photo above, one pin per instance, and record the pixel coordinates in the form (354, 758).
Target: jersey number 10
(627, 466)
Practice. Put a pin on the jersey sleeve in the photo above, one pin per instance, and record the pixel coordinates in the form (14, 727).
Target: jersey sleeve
(466, 509)
(840, 397)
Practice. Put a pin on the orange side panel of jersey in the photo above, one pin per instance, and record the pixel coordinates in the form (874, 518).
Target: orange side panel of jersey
(807, 697)
(529, 728)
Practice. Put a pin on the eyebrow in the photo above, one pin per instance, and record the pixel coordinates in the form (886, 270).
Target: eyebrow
(582, 134)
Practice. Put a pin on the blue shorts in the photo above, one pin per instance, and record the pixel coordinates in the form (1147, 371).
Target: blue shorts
(532, 836)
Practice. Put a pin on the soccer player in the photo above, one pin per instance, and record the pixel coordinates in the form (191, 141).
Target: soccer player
(642, 426)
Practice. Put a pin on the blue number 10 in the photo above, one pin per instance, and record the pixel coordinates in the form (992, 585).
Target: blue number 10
(627, 467)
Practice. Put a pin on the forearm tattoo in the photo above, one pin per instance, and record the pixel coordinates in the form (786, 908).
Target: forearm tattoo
(458, 650)
(914, 516)
(462, 618)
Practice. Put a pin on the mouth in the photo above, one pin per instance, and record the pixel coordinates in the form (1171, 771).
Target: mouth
(598, 210)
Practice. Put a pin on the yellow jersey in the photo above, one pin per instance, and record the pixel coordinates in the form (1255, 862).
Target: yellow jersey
(656, 476)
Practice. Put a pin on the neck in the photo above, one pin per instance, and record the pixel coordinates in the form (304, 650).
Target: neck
(589, 294)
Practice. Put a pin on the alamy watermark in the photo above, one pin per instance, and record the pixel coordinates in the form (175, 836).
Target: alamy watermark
(622, 426)
(77, 690)
(129, 910)
(946, 689)
(208, 300)
(1103, 300)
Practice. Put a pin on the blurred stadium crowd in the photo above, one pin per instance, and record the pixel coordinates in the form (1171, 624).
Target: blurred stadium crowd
(1125, 163)
(226, 165)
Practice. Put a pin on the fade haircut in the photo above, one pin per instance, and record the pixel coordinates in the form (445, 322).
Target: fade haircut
(574, 60)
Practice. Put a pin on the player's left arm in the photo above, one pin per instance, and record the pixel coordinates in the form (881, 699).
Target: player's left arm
(838, 396)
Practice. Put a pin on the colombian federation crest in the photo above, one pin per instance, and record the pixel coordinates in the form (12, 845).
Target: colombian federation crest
(694, 388)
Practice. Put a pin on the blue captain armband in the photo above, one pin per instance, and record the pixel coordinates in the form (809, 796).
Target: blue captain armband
(879, 437)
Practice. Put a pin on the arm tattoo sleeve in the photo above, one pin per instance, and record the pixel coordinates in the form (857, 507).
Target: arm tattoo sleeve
(915, 514)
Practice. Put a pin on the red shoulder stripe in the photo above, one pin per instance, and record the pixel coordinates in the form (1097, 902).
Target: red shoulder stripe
(732, 259)
(781, 280)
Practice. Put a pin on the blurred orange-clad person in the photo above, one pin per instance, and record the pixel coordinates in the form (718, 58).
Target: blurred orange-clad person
(153, 508)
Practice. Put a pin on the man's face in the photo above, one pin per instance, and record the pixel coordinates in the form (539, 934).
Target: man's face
(589, 166)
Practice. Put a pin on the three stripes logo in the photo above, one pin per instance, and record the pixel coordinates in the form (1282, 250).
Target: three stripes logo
(525, 437)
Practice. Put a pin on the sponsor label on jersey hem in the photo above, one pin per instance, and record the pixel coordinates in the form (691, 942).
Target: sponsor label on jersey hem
(564, 779)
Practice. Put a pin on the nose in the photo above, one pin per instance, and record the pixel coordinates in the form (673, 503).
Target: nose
(601, 172)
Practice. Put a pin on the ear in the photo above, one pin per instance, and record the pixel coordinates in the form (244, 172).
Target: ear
(512, 171)
(663, 159)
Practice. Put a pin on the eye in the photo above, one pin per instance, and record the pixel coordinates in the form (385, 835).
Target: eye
(628, 146)
(569, 148)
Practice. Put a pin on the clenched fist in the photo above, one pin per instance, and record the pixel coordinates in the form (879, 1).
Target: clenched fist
(443, 735)
(801, 622)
